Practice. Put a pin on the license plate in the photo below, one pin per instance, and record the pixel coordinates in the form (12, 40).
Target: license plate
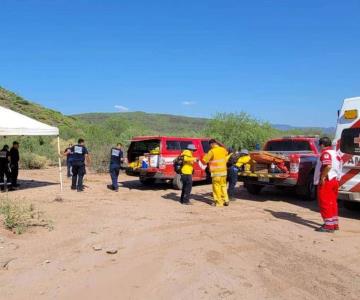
(263, 179)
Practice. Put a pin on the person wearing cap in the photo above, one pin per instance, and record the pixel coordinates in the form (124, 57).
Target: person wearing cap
(186, 173)
(217, 160)
(237, 162)
(326, 177)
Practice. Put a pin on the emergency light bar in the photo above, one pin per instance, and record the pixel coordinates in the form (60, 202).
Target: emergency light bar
(351, 114)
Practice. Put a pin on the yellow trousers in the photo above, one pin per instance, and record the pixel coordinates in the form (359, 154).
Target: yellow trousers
(220, 190)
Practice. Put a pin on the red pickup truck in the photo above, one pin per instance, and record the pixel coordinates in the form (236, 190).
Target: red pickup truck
(300, 155)
(151, 158)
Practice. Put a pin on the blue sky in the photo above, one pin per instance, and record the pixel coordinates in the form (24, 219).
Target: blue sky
(289, 62)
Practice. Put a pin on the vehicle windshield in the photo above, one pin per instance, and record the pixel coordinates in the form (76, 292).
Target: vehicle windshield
(287, 146)
(350, 141)
(139, 148)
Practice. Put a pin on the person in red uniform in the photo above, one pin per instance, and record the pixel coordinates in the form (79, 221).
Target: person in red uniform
(327, 175)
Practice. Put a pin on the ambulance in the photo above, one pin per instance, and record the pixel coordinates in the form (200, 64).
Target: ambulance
(347, 143)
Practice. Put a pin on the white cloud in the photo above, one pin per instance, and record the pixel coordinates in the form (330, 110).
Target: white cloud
(121, 108)
(188, 103)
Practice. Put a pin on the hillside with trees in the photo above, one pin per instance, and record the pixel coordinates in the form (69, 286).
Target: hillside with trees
(101, 130)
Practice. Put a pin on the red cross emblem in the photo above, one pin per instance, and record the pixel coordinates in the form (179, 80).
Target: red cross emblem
(357, 140)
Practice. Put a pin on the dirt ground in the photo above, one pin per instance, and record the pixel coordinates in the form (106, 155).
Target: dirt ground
(262, 247)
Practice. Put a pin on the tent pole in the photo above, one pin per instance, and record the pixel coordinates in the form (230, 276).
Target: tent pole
(60, 169)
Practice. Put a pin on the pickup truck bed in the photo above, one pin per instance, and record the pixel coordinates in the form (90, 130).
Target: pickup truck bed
(300, 156)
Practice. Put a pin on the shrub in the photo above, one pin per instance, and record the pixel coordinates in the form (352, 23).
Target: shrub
(239, 130)
(18, 217)
(33, 161)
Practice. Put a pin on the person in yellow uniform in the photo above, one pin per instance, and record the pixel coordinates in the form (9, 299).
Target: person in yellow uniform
(243, 163)
(186, 173)
(217, 159)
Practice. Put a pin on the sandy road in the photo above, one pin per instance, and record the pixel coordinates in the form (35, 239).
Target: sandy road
(260, 247)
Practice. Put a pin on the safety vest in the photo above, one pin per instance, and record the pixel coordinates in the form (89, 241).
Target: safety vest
(217, 159)
(188, 166)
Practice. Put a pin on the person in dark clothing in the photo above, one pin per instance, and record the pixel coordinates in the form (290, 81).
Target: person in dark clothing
(68, 160)
(116, 159)
(14, 164)
(237, 162)
(80, 157)
(232, 172)
(4, 167)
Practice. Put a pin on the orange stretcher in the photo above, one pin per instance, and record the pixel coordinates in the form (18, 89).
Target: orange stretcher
(264, 157)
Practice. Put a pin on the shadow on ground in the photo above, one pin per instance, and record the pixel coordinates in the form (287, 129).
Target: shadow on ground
(204, 197)
(292, 217)
(273, 194)
(137, 185)
(32, 184)
(161, 185)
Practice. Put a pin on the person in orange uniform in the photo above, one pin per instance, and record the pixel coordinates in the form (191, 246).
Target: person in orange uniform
(186, 173)
(217, 159)
(326, 177)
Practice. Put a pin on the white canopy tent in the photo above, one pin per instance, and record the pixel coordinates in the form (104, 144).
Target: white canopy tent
(15, 124)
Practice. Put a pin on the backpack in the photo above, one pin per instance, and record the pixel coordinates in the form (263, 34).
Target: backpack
(178, 164)
(233, 159)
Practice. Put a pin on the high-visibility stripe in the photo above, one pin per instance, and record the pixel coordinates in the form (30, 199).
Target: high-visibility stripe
(348, 185)
(355, 188)
(217, 160)
(220, 174)
(217, 167)
(352, 173)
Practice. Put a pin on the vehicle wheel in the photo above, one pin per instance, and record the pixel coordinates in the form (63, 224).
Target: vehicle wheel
(307, 191)
(350, 205)
(310, 189)
(177, 183)
(147, 181)
(254, 189)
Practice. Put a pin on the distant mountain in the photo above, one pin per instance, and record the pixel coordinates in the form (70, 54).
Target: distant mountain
(325, 130)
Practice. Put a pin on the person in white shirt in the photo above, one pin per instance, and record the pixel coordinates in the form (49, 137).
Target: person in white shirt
(327, 176)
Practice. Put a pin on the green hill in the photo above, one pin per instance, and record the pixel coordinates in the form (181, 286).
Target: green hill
(157, 124)
(15, 102)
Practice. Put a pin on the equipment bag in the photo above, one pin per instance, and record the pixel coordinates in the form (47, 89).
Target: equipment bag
(178, 164)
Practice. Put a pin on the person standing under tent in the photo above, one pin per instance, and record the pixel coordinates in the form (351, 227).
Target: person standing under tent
(68, 160)
(4, 167)
(14, 164)
(116, 160)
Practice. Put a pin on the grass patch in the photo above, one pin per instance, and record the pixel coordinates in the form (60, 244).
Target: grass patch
(19, 217)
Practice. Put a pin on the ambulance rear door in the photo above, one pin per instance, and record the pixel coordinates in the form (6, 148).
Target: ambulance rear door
(347, 140)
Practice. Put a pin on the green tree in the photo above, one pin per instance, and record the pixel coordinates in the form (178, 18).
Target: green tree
(239, 130)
